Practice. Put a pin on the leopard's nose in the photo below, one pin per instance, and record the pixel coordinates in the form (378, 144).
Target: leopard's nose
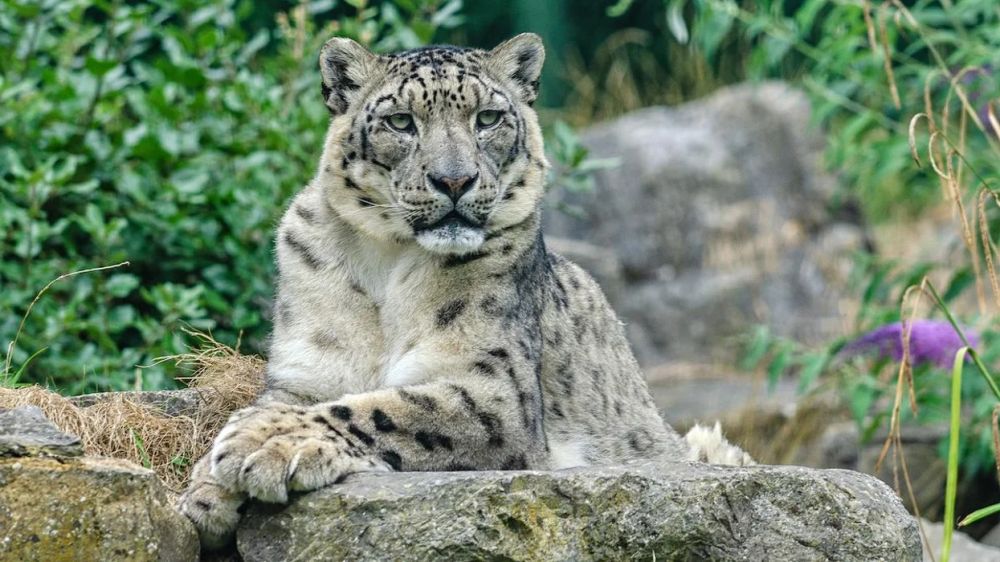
(453, 187)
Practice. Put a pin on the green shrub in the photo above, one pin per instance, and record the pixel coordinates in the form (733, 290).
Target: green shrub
(167, 135)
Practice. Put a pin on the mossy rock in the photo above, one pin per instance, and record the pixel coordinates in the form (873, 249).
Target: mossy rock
(645, 511)
(57, 505)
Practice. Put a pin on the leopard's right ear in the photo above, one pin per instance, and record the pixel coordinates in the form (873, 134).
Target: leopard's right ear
(345, 66)
(520, 59)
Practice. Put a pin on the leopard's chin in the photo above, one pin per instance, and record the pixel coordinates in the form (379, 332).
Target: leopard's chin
(451, 238)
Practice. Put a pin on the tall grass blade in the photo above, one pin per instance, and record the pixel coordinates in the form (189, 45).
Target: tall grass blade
(951, 485)
(978, 514)
(14, 381)
(20, 327)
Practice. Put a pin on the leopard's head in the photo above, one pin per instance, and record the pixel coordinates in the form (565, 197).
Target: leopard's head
(437, 145)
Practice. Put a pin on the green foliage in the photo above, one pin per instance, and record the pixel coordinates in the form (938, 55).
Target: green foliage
(572, 169)
(827, 48)
(867, 384)
(169, 135)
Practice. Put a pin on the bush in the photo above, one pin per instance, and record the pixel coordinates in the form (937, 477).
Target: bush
(169, 136)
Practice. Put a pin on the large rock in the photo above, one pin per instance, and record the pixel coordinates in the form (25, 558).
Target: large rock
(26, 432)
(661, 511)
(56, 507)
(719, 216)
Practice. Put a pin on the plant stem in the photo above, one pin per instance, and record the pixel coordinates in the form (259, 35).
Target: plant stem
(972, 352)
(951, 485)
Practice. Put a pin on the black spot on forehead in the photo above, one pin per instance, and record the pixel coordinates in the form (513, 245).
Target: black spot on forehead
(432, 50)
(435, 57)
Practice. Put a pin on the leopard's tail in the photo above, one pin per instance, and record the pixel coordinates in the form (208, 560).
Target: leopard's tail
(707, 444)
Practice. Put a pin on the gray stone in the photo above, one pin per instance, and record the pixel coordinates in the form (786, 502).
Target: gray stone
(183, 402)
(719, 217)
(26, 432)
(963, 547)
(651, 510)
(88, 508)
(992, 537)
(688, 393)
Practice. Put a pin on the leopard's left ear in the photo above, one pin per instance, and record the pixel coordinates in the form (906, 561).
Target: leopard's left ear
(520, 60)
(345, 66)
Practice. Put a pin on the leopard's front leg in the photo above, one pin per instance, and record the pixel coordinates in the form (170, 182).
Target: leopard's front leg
(274, 449)
(447, 425)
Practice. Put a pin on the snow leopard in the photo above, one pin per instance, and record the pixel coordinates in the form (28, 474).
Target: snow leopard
(420, 323)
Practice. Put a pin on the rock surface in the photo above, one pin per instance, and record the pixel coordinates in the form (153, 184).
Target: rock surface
(661, 511)
(687, 393)
(183, 402)
(963, 547)
(719, 218)
(26, 432)
(64, 507)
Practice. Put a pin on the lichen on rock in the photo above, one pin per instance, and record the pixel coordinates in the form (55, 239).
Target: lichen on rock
(666, 511)
(56, 506)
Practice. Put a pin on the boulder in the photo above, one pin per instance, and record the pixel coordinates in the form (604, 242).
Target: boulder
(69, 507)
(648, 510)
(26, 432)
(719, 215)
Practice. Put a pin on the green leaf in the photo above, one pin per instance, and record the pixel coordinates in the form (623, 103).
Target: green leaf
(253, 46)
(14, 380)
(190, 180)
(960, 280)
(811, 370)
(979, 514)
(759, 345)
(675, 21)
(99, 67)
(712, 27)
(140, 448)
(121, 284)
(619, 8)
(778, 366)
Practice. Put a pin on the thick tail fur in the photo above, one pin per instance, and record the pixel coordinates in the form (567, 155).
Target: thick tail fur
(707, 444)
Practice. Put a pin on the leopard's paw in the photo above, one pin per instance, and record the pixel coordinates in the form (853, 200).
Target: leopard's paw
(214, 510)
(270, 452)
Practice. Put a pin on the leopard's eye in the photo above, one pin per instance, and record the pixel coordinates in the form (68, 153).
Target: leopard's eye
(487, 118)
(401, 121)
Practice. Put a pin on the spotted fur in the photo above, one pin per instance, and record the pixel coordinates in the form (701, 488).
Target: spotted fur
(421, 324)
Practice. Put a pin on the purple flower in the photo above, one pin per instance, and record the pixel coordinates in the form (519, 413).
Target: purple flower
(931, 341)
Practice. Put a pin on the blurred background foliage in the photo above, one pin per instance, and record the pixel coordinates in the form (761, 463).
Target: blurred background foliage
(170, 134)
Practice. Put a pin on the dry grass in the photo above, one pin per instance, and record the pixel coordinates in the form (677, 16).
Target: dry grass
(773, 437)
(626, 74)
(124, 426)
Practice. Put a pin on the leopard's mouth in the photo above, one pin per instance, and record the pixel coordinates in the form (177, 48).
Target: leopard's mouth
(452, 221)
(452, 234)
